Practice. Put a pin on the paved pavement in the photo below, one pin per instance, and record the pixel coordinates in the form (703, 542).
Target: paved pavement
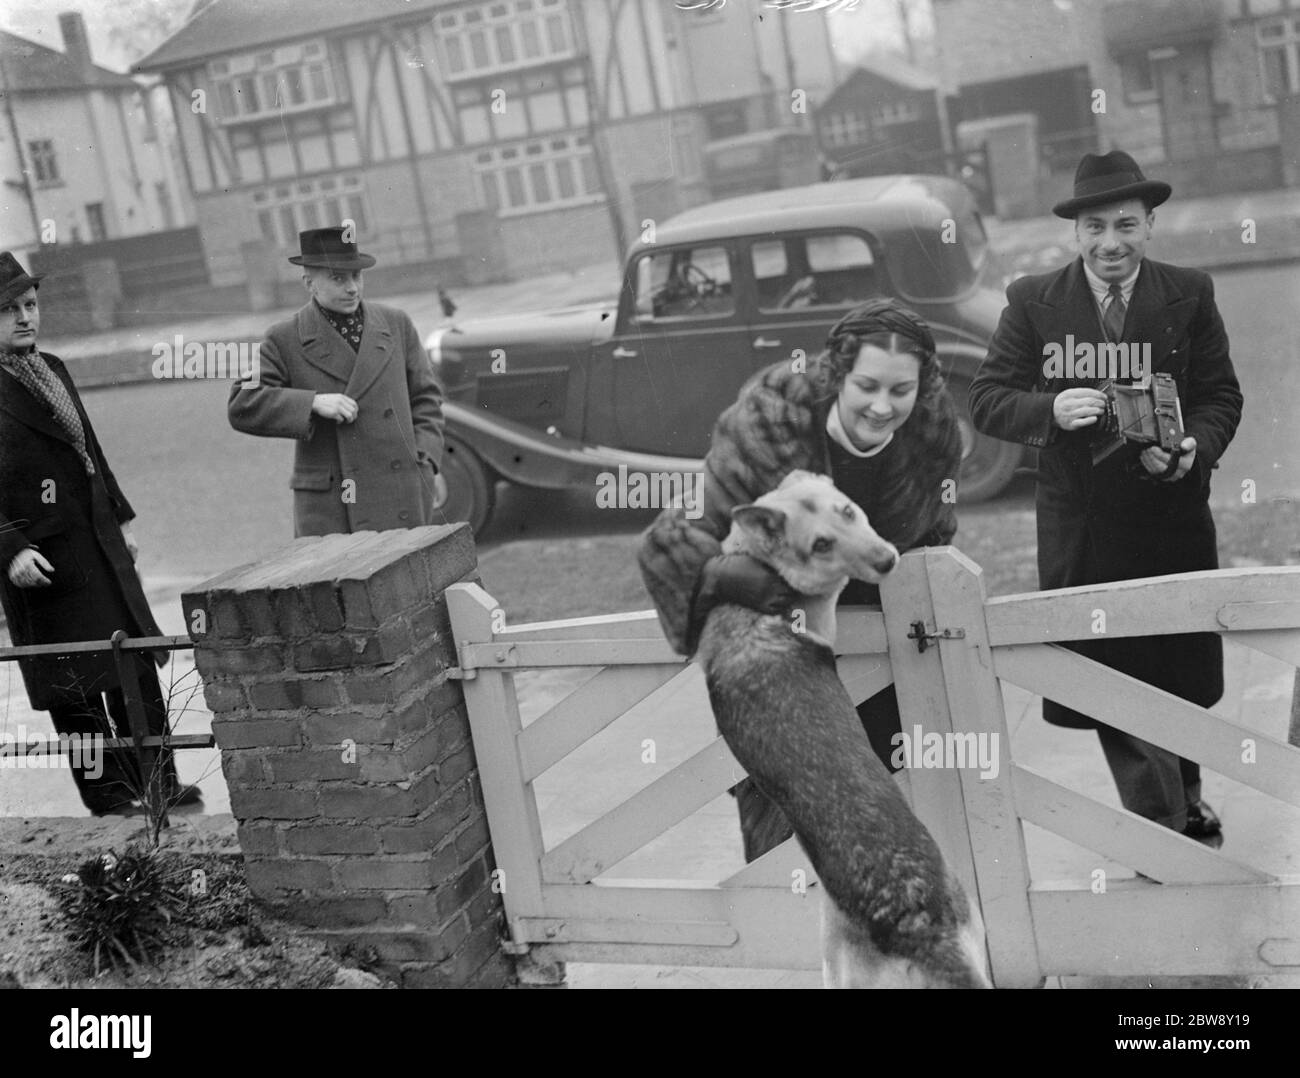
(1209, 233)
(126, 355)
(1206, 232)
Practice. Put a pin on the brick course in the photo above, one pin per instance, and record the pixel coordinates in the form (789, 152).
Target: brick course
(347, 751)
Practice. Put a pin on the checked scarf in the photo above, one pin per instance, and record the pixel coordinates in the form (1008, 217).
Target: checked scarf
(35, 375)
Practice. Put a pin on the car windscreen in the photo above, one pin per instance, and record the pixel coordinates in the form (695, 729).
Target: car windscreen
(937, 264)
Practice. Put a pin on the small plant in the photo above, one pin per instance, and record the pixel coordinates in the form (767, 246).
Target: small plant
(122, 908)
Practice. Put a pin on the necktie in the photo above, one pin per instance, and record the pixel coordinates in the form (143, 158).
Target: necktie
(42, 383)
(1113, 319)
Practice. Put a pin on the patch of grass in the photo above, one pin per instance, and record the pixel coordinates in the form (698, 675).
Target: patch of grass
(122, 908)
(207, 894)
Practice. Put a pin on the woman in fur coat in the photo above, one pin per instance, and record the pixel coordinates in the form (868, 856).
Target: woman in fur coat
(873, 413)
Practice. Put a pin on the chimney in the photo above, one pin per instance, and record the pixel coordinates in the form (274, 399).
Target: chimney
(75, 45)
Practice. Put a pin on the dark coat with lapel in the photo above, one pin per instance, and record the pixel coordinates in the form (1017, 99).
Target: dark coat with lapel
(1110, 522)
(369, 475)
(48, 501)
(778, 425)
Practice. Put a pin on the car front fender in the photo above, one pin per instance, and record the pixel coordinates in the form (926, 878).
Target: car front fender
(533, 458)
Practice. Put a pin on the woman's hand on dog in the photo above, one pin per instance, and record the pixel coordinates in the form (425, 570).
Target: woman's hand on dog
(746, 581)
(739, 579)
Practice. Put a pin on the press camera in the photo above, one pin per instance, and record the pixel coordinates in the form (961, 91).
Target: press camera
(1144, 412)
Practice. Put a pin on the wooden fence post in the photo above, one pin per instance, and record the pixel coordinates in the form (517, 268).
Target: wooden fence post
(511, 804)
(943, 670)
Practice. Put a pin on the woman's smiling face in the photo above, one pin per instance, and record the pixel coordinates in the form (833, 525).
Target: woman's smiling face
(878, 394)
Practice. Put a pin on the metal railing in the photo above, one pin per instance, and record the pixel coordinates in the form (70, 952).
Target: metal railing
(146, 746)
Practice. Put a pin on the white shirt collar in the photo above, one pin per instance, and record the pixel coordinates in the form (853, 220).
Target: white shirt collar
(835, 429)
(1100, 288)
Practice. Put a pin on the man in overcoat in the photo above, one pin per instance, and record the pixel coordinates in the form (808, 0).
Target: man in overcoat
(1140, 511)
(350, 381)
(68, 557)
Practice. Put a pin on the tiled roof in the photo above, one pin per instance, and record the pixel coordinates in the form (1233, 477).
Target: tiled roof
(898, 71)
(32, 68)
(226, 26)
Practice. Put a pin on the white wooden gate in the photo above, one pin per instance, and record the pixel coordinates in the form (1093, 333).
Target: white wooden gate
(946, 647)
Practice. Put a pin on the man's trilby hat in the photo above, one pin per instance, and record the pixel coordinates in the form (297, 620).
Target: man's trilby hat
(14, 280)
(325, 248)
(1111, 177)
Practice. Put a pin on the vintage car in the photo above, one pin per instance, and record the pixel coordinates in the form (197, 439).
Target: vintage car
(709, 297)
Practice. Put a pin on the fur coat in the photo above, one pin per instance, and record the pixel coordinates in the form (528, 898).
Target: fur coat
(777, 425)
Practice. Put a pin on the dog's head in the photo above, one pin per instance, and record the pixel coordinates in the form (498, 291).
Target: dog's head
(812, 534)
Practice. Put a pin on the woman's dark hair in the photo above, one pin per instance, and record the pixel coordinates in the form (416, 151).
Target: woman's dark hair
(887, 324)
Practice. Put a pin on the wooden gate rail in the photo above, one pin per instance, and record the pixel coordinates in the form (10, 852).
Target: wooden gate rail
(947, 648)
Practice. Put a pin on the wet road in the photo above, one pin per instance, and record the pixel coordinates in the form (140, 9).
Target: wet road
(209, 498)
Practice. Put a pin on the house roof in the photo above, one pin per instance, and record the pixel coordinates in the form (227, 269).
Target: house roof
(30, 68)
(893, 69)
(226, 26)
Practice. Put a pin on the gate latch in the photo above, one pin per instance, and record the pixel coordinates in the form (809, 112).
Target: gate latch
(923, 638)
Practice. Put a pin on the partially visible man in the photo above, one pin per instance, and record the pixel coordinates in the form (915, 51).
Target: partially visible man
(68, 556)
(1137, 512)
(350, 381)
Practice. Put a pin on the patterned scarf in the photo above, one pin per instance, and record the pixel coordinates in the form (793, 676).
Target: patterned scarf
(348, 326)
(35, 375)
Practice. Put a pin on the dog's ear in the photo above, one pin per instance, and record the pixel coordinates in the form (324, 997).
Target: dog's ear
(761, 523)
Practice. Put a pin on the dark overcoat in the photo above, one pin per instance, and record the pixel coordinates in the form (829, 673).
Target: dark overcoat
(778, 425)
(376, 472)
(1111, 522)
(48, 501)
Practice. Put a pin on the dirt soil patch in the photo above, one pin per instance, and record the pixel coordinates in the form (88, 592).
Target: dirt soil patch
(219, 939)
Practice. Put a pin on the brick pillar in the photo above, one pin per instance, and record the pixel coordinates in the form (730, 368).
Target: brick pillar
(347, 748)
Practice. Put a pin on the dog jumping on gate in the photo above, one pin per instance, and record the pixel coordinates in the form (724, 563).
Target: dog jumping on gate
(893, 914)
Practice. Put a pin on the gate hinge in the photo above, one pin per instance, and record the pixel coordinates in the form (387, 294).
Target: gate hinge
(923, 637)
(490, 656)
(511, 944)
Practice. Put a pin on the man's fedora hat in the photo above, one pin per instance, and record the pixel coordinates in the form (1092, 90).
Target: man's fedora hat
(324, 248)
(1110, 177)
(14, 280)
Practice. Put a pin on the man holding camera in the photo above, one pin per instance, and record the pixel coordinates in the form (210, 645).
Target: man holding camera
(1138, 511)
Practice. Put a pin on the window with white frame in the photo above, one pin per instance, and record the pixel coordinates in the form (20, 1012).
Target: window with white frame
(291, 78)
(45, 165)
(846, 129)
(1279, 53)
(287, 209)
(538, 175)
(1138, 78)
(537, 102)
(897, 112)
(503, 35)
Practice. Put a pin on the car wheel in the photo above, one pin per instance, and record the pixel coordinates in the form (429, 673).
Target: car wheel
(987, 464)
(471, 492)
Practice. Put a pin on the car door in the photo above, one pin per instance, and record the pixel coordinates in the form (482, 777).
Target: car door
(679, 355)
(804, 282)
